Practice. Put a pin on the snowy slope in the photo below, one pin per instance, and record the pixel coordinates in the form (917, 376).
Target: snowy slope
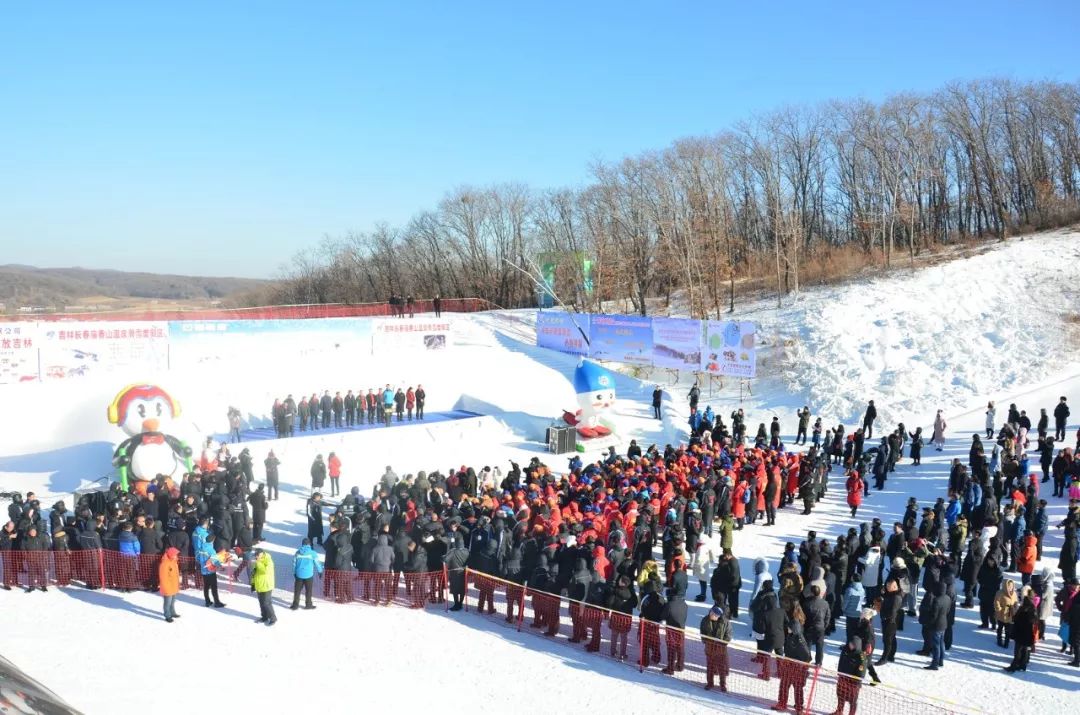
(988, 327)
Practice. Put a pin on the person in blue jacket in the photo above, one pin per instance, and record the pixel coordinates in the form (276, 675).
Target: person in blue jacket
(305, 565)
(129, 547)
(209, 563)
(388, 404)
(852, 604)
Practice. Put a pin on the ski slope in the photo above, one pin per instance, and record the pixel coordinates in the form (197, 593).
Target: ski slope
(950, 336)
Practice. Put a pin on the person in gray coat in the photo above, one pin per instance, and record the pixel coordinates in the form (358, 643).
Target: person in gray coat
(456, 560)
(382, 561)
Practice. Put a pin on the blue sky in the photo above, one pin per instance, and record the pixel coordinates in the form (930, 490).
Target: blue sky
(220, 138)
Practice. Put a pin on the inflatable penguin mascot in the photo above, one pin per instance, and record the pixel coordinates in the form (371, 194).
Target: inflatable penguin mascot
(595, 388)
(145, 413)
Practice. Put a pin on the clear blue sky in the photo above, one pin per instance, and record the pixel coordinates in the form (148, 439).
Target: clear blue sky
(220, 138)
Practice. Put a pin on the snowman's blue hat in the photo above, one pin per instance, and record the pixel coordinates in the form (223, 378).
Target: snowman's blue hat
(590, 377)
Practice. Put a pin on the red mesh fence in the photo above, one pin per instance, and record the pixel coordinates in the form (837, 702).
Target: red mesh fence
(271, 312)
(759, 678)
(762, 679)
(113, 570)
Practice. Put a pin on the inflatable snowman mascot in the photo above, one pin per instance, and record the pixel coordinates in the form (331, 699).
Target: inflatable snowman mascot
(595, 388)
(145, 413)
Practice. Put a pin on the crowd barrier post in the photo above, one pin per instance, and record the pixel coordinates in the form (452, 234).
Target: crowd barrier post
(813, 687)
(101, 565)
(465, 591)
(521, 608)
(444, 589)
(641, 644)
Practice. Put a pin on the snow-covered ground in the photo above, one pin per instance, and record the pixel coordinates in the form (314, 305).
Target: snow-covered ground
(950, 336)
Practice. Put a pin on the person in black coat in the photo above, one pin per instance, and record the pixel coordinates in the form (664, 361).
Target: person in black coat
(793, 668)
(151, 545)
(989, 578)
(657, 399)
(852, 669)
(259, 504)
(818, 615)
(937, 621)
(716, 634)
(652, 613)
(1024, 629)
(456, 560)
(674, 616)
(315, 518)
(622, 600)
(868, 420)
(768, 624)
(727, 581)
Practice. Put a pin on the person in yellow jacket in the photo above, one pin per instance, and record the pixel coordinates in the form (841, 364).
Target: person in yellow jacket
(262, 582)
(1005, 604)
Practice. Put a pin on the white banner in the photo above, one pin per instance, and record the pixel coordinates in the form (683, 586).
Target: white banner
(18, 352)
(73, 350)
(676, 343)
(730, 348)
(412, 334)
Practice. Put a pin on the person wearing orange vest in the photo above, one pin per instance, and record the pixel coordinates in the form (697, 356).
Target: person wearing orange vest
(169, 582)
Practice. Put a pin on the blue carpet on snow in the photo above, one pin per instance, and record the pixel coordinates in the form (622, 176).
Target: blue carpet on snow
(258, 434)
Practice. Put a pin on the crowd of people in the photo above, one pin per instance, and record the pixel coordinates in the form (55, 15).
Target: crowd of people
(627, 534)
(374, 406)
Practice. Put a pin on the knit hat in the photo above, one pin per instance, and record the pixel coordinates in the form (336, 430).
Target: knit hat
(716, 611)
(898, 563)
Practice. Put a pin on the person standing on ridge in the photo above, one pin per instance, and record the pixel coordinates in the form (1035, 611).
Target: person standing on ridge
(1061, 417)
(868, 420)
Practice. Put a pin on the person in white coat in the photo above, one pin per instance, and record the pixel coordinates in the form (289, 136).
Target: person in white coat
(761, 575)
(871, 572)
(704, 560)
(939, 432)
(991, 413)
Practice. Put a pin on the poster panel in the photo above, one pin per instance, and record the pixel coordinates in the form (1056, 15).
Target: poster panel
(72, 350)
(557, 330)
(676, 343)
(730, 348)
(18, 353)
(621, 338)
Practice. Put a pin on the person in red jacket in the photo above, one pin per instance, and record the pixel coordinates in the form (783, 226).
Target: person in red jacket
(410, 402)
(333, 467)
(738, 506)
(854, 491)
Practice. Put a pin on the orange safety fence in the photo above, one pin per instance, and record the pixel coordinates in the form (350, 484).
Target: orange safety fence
(269, 312)
(759, 678)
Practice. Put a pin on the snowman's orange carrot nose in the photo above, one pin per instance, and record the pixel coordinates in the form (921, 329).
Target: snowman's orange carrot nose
(150, 425)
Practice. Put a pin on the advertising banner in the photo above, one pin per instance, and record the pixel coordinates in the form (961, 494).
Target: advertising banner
(211, 342)
(556, 330)
(676, 343)
(730, 348)
(73, 350)
(18, 353)
(621, 338)
(412, 334)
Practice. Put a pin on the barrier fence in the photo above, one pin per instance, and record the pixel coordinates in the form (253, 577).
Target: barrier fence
(271, 312)
(761, 679)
